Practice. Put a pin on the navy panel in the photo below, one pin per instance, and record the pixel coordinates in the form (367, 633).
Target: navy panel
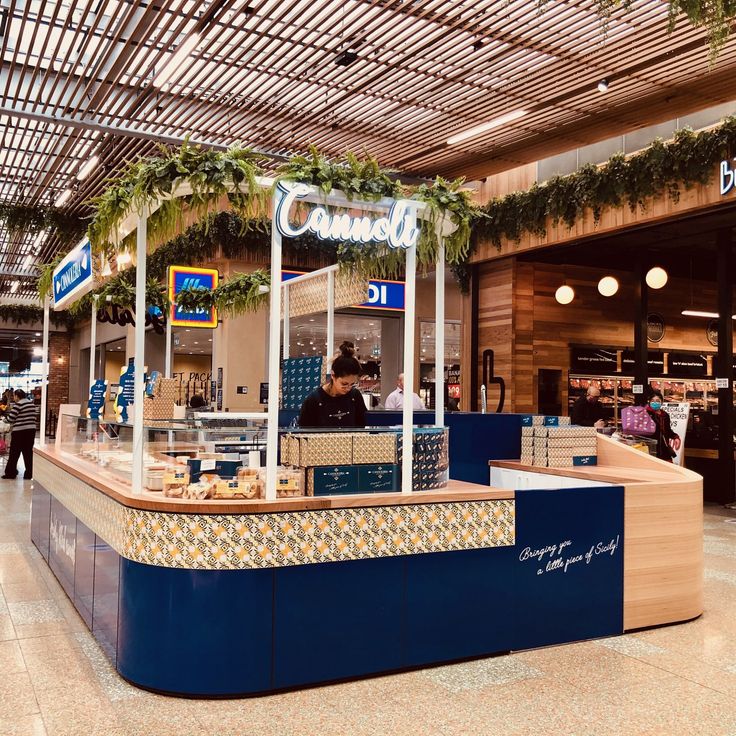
(105, 605)
(337, 620)
(40, 518)
(84, 572)
(568, 592)
(62, 546)
(199, 632)
(459, 604)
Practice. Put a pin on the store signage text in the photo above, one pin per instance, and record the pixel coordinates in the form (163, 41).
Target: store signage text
(116, 315)
(63, 539)
(728, 177)
(73, 276)
(381, 294)
(187, 277)
(398, 230)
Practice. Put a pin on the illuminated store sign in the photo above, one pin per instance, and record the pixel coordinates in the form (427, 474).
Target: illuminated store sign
(398, 229)
(73, 276)
(187, 277)
(381, 294)
(728, 177)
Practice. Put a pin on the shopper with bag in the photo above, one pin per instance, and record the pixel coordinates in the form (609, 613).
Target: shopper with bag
(668, 442)
(22, 418)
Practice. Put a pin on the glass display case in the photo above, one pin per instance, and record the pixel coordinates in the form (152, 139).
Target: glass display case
(220, 457)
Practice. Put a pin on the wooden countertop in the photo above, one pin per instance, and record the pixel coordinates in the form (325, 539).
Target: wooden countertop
(107, 483)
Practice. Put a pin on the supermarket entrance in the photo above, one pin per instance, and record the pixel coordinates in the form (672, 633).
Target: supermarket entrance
(623, 332)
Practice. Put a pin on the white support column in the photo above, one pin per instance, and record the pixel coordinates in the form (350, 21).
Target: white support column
(287, 327)
(439, 338)
(330, 319)
(140, 349)
(92, 355)
(92, 340)
(167, 359)
(45, 370)
(407, 462)
(274, 359)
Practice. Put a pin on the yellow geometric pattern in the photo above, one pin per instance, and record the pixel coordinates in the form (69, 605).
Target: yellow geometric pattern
(245, 541)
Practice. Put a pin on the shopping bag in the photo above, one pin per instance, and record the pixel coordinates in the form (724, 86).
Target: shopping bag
(636, 420)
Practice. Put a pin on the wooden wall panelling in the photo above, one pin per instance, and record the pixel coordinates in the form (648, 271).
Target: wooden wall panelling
(523, 373)
(495, 325)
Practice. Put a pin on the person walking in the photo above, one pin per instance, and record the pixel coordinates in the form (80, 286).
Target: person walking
(22, 419)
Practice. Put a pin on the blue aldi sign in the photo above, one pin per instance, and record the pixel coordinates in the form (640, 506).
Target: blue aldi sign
(381, 294)
(73, 277)
(188, 277)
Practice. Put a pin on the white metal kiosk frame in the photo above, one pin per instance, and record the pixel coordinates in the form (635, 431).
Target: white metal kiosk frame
(139, 221)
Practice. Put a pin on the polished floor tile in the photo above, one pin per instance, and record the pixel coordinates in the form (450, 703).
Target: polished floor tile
(55, 680)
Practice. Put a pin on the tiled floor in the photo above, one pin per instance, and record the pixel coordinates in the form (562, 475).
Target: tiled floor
(55, 680)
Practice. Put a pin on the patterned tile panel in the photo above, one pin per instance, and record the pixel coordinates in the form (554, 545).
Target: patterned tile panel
(244, 541)
(331, 535)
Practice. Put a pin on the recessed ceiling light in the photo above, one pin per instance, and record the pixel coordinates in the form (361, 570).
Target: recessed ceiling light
(63, 198)
(603, 85)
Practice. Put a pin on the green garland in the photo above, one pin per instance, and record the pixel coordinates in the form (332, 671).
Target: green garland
(210, 172)
(240, 294)
(716, 16)
(19, 314)
(29, 219)
(689, 159)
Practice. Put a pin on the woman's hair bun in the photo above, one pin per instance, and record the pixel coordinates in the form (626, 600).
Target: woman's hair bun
(347, 349)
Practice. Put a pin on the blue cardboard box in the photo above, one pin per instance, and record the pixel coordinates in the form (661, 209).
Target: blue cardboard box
(378, 478)
(227, 468)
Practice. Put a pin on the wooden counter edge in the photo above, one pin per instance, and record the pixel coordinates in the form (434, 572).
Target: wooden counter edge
(152, 501)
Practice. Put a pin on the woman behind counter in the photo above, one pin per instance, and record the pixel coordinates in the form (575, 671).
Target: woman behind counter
(336, 403)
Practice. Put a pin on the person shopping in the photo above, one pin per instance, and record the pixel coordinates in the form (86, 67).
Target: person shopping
(337, 403)
(587, 410)
(668, 442)
(395, 400)
(22, 419)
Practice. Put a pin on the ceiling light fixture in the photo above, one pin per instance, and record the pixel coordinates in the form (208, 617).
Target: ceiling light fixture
(603, 85)
(608, 286)
(28, 261)
(172, 66)
(39, 238)
(490, 125)
(346, 58)
(656, 277)
(698, 313)
(87, 169)
(565, 294)
(14, 287)
(63, 198)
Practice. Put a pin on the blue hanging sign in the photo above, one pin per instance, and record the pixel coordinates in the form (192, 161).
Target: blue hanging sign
(188, 277)
(73, 277)
(97, 396)
(126, 392)
(381, 294)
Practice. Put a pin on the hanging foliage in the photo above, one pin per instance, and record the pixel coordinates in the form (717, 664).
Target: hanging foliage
(663, 168)
(22, 219)
(20, 314)
(210, 174)
(716, 16)
(240, 294)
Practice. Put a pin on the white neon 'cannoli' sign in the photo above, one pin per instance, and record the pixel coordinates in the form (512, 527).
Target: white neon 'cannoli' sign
(398, 229)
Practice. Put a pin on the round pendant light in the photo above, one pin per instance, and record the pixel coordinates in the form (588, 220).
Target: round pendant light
(608, 286)
(656, 277)
(565, 294)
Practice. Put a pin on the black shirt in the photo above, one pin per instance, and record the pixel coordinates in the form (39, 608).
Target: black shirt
(586, 413)
(322, 410)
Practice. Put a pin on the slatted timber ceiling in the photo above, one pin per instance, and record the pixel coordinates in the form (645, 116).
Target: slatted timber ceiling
(397, 78)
